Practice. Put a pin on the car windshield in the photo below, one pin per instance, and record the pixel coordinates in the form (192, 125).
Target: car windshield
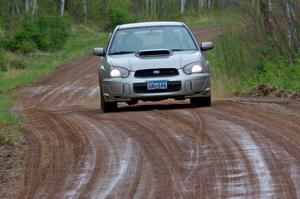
(175, 38)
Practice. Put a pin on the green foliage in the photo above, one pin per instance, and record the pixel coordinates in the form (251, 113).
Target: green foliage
(119, 13)
(22, 42)
(3, 42)
(2, 60)
(18, 63)
(9, 131)
(279, 74)
(52, 32)
(79, 44)
(211, 18)
(242, 61)
(233, 58)
(44, 33)
(7, 62)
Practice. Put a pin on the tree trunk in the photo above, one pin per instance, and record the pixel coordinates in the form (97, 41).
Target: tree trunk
(201, 4)
(26, 7)
(291, 32)
(270, 7)
(85, 11)
(34, 5)
(11, 9)
(182, 6)
(147, 7)
(17, 7)
(62, 7)
(209, 4)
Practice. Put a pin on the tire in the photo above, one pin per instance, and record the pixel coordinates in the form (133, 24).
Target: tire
(107, 106)
(201, 101)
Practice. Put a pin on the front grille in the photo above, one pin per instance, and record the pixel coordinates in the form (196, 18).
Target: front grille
(142, 88)
(159, 72)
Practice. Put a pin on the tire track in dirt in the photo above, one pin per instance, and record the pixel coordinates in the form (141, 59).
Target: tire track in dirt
(270, 137)
(218, 150)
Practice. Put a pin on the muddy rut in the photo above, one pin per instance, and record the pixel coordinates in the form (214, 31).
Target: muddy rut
(154, 150)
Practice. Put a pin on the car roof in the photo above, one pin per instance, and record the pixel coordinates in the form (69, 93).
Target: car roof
(150, 24)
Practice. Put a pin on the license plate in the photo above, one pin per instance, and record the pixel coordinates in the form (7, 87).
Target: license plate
(157, 85)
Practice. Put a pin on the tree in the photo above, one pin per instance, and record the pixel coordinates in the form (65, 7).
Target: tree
(85, 10)
(34, 5)
(26, 7)
(62, 7)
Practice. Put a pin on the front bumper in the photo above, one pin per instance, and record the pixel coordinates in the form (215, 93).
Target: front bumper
(122, 89)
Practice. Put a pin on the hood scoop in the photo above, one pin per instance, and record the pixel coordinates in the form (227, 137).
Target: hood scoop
(154, 52)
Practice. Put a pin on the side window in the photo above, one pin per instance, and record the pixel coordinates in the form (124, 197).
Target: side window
(109, 38)
(118, 39)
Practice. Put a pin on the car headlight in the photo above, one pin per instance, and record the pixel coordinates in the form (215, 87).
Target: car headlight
(193, 68)
(119, 72)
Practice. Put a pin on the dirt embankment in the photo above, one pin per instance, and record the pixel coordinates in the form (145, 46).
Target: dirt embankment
(267, 91)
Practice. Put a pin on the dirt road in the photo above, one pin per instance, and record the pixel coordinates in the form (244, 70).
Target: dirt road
(154, 150)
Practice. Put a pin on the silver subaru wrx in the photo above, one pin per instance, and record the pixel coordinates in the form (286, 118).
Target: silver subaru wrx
(153, 61)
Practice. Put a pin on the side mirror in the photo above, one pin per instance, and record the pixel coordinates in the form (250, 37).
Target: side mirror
(205, 46)
(99, 52)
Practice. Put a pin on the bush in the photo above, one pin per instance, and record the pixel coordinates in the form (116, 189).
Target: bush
(234, 59)
(239, 60)
(10, 60)
(3, 42)
(52, 32)
(22, 42)
(118, 13)
(44, 33)
(18, 63)
(280, 74)
(2, 61)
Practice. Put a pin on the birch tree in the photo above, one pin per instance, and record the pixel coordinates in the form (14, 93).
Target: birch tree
(26, 7)
(182, 6)
(62, 7)
(34, 6)
(85, 10)
(201, 4)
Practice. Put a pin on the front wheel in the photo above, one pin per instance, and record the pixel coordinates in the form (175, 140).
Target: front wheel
(108, 106)
(201, 101)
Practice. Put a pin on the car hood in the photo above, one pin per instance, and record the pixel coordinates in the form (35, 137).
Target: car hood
(133, 62)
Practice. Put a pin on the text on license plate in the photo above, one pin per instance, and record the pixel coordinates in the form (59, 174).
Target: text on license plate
(157, 85)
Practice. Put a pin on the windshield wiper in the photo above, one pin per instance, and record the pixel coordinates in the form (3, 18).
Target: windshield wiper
(122, 53)
(182, 49)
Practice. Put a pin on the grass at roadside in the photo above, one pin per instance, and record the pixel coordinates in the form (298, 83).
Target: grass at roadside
(212, 18)
(202, 20)
(223, 82)
(39, 64)
(243, 59)
(240, 64)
